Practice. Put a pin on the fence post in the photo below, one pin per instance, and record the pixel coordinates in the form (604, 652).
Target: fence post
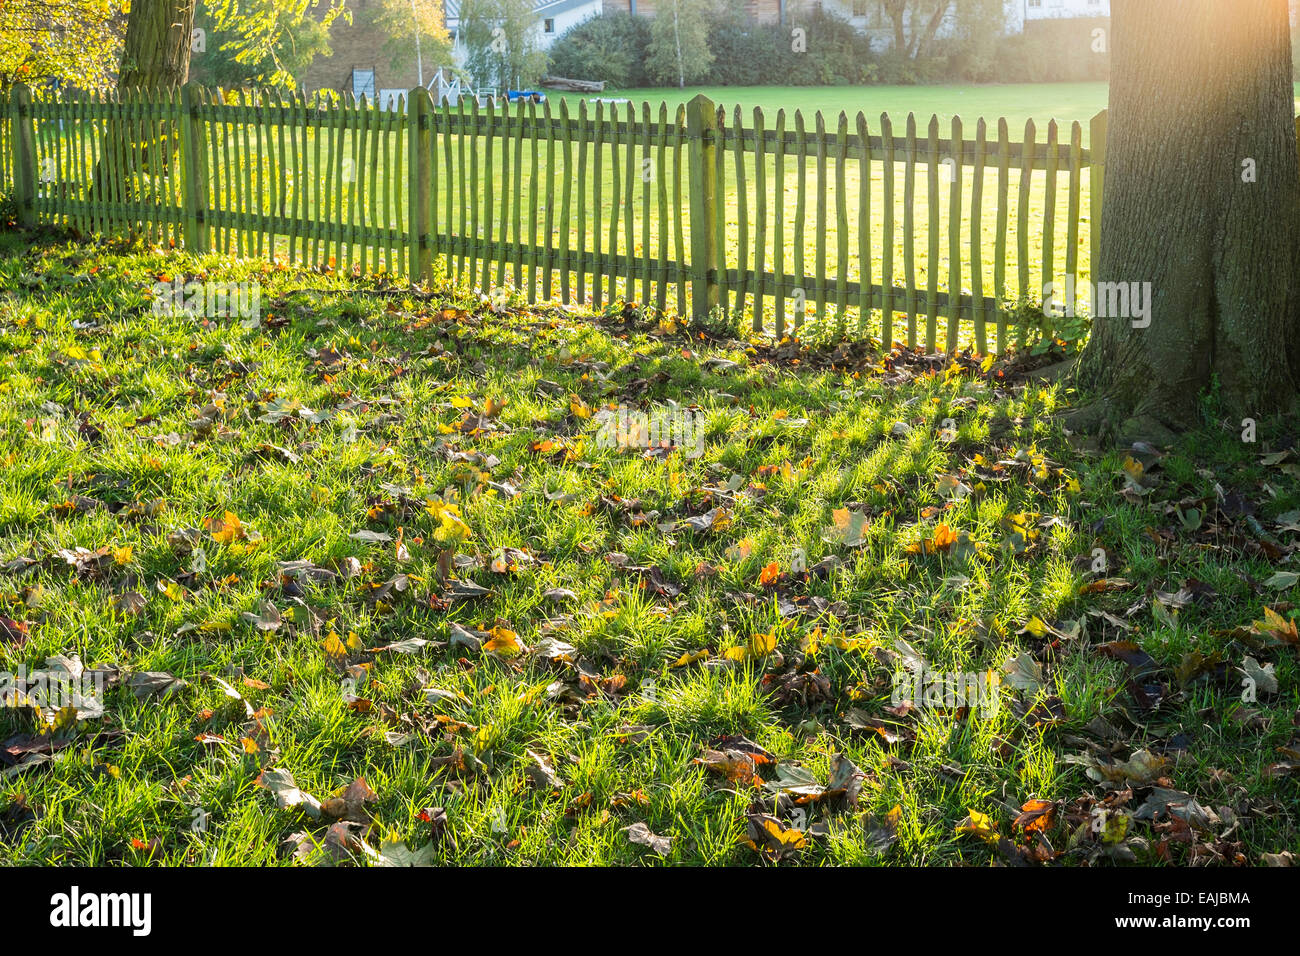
(419, 186)
(701, 130)
(1096, 186)
(196, 188)
(22, 140)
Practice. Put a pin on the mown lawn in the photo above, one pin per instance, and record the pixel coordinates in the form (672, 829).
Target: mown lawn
(620, 638)
(1017, 102)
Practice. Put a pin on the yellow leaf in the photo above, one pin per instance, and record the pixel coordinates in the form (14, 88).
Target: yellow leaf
(226, 530)
(758, 646)
(690, 658)
(980, 825)
(792, 839)
(334, 648)
(503, 642)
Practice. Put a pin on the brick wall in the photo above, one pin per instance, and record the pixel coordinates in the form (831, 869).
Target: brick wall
(360, 45)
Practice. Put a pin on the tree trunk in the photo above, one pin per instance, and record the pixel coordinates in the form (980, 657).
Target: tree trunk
(156, 56)
(895, 10)
(1201, 202)
(926, 39)
(157, 50)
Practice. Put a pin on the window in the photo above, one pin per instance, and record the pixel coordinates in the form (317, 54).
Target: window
(548, 26)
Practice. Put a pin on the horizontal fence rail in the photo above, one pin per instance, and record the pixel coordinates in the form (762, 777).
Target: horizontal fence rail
(922, 234)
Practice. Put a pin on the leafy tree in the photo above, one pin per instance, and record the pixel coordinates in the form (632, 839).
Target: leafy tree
(415, 27)
(72, 42)
(268, 42)
(679, 51)
(221, 64)
(916, 24)
(501, 39)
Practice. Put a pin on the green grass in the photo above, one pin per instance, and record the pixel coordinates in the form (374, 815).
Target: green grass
(351, 408)
(1017, 102)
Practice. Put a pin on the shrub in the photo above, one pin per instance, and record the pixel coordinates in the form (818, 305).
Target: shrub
(608, 46)
(745, 52)
(836, 54)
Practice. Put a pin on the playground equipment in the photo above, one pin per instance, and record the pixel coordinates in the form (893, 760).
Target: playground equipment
(447, 88)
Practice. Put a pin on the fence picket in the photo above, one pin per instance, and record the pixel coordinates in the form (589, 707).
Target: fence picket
(665, 224)
(580, 270)
(1049, 214)
(566, 197)
(801, 148)
(648, 172)
(1000, 242)
(820, 240)
(548, 260)
(721, 287)
(597, 149)
(954, 239)
(532, 204)
(977, 237)
(1022, 223)
(778, 225)
(909, 231)
(485, 243)
(760, 219)
(932, 257)
(742, 223)
(610, 272)
(842, 225)
(1072, 217)
(517, 195)
(679, 233)
(629, 213)
(887, 247)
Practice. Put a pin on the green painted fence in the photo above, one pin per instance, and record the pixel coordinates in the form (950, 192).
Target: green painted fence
(921, 235)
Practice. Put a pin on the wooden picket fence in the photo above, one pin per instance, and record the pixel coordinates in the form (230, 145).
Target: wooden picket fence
(776, 220)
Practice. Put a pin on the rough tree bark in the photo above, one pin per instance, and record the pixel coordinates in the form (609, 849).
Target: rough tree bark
(155, 56)
(1202, 198)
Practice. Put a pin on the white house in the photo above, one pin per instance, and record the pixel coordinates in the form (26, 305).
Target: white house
(553, 18)
(869, 16)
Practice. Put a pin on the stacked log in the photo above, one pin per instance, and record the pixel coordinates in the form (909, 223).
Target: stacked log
(573, 86)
